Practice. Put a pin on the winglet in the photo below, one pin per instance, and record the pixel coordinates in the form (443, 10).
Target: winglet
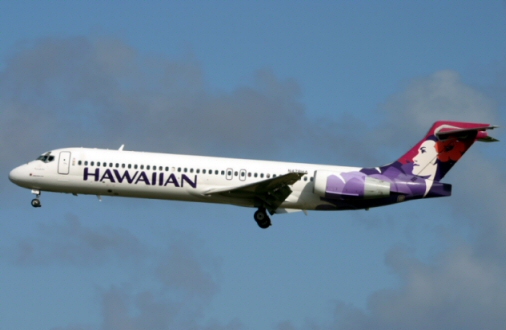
(121, 148)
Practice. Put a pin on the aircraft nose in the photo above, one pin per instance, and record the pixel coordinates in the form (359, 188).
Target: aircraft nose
(17, 175)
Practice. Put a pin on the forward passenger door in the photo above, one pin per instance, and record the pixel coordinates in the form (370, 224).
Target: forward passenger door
(64, 162)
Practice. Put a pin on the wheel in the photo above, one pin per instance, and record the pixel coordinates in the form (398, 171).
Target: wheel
(36, 202)
(262, 219)
(260, 215)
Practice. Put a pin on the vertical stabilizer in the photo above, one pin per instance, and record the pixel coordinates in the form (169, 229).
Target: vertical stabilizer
(443, 145)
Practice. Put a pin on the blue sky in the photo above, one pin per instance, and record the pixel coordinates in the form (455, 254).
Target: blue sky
(327, 82)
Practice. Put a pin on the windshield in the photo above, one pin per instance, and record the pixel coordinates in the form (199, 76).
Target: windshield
(46, 158)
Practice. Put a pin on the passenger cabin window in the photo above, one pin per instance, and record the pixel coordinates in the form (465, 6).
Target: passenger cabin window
(79, 163)
(117, 165)
(148, 167)
(203, 171)
(142, 167)
(129, 166)
(122, 165)
(92, 163)
(85, 163)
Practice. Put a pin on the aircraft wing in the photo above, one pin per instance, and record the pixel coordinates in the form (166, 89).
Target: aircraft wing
(271, 192)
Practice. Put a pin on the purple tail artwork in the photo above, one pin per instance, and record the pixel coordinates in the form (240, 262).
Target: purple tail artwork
(415, 175)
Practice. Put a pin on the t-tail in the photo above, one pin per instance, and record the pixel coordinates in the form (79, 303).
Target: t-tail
(443, 145)
(418, 172)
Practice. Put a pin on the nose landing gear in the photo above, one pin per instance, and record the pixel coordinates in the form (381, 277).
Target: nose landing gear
(262, 218)
(36, 200)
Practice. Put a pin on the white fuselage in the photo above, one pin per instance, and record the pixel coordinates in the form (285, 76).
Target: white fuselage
(163, 176)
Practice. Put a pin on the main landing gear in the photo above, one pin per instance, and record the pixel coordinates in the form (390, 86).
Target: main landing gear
(36, 200)
(262, 218)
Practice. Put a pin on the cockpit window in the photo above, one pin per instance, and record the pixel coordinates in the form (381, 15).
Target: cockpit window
(46, 158)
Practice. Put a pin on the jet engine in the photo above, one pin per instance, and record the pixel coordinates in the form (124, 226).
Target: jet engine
(349, 185)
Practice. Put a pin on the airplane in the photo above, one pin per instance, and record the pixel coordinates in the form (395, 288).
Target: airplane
(270, 187)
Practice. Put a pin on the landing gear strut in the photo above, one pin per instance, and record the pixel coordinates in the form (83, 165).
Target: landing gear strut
(36, 201)
(262, 218)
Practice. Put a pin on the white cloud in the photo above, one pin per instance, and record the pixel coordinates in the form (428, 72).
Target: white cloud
(464, 286)
(183, 276)
(440, 96)
(71, 243)
(73, 91)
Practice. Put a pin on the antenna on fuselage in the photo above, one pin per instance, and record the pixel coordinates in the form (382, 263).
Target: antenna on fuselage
(121, 148)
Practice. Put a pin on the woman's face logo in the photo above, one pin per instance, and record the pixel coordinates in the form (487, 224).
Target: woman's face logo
(424, 163)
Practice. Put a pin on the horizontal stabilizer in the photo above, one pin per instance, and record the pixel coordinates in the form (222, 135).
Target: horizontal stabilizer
(447, 132)
(487, 139)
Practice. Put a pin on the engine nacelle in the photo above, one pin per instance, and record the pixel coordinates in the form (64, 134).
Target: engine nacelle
(349, 185)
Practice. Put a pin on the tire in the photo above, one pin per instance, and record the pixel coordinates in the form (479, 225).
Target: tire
(260, 216)
(265, 224)
(35, 202)
(262, 219)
